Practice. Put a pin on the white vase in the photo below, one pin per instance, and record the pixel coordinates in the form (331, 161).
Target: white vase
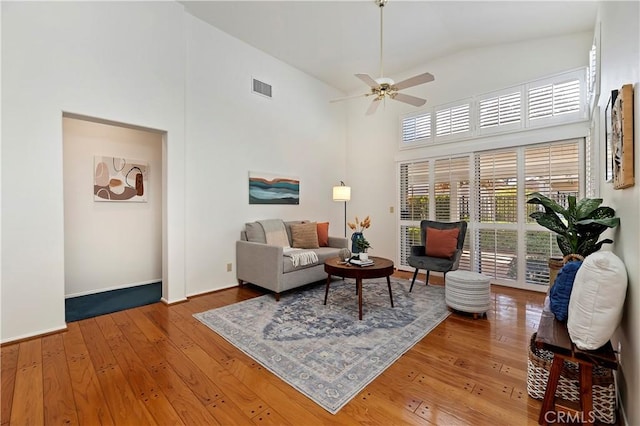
(364, 256)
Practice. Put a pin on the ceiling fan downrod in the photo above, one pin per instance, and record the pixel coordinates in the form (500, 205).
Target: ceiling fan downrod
(380, 4)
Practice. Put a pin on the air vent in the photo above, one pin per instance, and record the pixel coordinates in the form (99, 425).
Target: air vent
(261, 88)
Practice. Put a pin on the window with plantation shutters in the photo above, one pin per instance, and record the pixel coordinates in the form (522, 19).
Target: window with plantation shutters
(496, 179)
(454, 120)
(414, 204)
(497, 207)
(560, 99)
(554, 171)
(489, 190)
(416, 128)
(414, 191)
(451, 191)
(501, 112)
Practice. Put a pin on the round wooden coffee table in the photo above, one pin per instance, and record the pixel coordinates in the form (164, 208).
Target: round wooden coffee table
(381, 268)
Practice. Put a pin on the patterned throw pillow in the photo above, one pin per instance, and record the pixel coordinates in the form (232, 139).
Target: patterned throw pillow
(441, 242)
(305, 235)
(323, 234)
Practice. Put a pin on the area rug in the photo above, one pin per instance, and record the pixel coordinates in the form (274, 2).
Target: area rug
(325, 352)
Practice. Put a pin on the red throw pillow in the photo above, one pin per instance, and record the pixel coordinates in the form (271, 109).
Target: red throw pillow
(323, 234)
(442, 242)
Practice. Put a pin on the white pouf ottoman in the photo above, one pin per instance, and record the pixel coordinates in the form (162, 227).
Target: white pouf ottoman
(468, 292)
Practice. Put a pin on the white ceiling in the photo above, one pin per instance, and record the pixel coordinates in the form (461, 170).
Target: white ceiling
(332, 40)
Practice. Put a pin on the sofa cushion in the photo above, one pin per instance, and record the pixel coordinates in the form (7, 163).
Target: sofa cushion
(441, 242)
(255, 233)
(304, 235)
(287, 226)
(323, 253)
(323, 234)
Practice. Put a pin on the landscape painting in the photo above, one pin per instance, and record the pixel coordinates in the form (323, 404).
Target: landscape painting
(267, 188)
(120, 179)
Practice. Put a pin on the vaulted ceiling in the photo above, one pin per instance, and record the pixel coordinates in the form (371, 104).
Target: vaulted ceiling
(333, 40)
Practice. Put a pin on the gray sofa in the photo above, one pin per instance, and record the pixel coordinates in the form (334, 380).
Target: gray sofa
(266, 266)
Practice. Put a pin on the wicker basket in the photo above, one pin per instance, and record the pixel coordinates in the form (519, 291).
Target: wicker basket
(604, 390)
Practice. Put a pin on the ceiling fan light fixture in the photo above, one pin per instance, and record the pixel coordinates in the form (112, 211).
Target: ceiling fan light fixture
(385, 80)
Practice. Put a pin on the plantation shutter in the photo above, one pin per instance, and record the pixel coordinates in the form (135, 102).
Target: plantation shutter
(496, 177)
(452, 192)
(414, 204)
(500, 110)
(554, 99)
(453, 120)
(552, 170)
(497, 241)
(414, 191)
(416, 128)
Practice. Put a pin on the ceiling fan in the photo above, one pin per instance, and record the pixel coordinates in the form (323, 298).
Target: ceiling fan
(382, 87)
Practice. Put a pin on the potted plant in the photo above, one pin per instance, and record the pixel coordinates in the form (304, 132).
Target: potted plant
(363, 245)
(578, 227)
(358, 227)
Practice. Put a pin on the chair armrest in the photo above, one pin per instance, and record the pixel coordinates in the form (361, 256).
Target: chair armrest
(338, 242)
(418, 251)
(456, 259)
(260, 264)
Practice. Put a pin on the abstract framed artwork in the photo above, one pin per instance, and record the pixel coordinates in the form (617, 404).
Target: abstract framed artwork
(120, 179)
(266, 188)
(608, 169)
(622, 138)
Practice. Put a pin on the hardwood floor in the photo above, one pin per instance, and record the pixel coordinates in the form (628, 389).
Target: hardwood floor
(158, 365)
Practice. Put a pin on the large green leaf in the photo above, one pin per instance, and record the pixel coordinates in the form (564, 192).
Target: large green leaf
(564, 245)
(586, 206)
(610, 222)
(551, 221)
(538, 198)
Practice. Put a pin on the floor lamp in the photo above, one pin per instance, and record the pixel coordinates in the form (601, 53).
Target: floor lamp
(342, 193)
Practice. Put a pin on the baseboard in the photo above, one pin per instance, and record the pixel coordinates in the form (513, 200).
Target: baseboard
(212, 290)
(117, 287)
(37, 335)
(173, 302)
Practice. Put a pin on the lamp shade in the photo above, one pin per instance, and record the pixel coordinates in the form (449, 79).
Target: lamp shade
(341, 193)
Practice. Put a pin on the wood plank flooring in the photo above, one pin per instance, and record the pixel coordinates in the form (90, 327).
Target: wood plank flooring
(158, 365)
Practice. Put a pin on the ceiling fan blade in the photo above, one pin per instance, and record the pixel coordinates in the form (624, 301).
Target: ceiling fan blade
(368, 80)
(374, 106)
(408, 99)
(349, 97)
(414, 81)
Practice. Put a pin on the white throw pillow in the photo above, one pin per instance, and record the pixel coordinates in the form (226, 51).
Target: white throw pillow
(597, 298)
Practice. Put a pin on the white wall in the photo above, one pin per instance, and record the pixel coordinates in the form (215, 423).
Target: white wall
(109, 245)
(120, 61)
(373, 140)
(150, 64)
(231, 131)
(620, 64)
